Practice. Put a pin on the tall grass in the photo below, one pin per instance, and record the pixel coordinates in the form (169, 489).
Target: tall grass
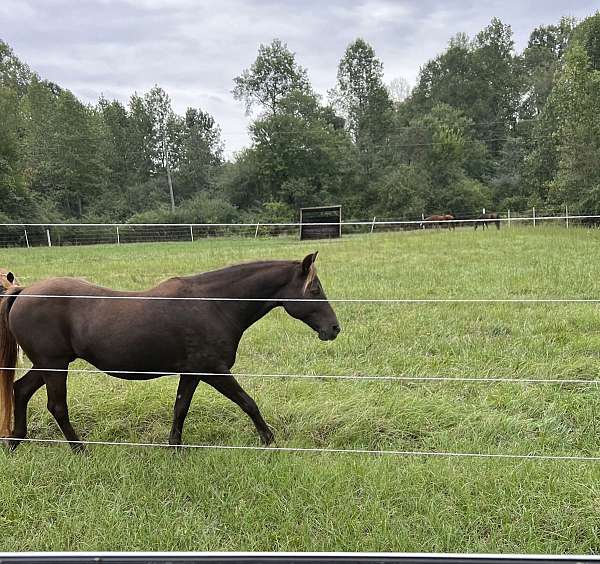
(123, 498)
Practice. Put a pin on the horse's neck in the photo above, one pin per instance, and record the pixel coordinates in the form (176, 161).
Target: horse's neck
(262, 283)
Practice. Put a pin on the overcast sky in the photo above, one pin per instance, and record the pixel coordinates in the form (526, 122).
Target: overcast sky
(194, 48)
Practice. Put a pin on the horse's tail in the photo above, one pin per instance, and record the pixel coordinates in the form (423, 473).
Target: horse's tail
(8, 361)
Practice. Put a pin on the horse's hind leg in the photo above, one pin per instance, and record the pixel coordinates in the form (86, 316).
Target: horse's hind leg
(229, 387)
(24, 388)
(56, 388)
(185, 392)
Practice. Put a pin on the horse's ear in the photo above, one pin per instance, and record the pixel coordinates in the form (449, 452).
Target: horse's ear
(10, 277)
(308, 262)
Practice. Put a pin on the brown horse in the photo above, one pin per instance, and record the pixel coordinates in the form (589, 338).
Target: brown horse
(161, 335)
(450, 218)
(488, 218)
(438, 221)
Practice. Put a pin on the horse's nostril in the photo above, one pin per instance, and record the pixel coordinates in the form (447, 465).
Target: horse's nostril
(337, 328)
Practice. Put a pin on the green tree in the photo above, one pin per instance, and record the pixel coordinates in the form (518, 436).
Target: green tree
(201, 153)
(299, 154)
(576, 103)
(272, 76)
(541, 61)
(483, 78)
(166, 138)
(14, 74)
(15, 199)
(361, 95)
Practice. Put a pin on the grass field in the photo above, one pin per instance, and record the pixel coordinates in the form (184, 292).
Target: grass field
(125, 498)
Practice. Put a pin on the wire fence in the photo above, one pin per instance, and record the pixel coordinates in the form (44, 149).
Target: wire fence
(118, 233)
(327, 450)
(72, 234)
(342, 377)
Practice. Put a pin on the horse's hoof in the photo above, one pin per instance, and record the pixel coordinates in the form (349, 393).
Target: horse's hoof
(267, 437)
(80, 449)
(11, 443)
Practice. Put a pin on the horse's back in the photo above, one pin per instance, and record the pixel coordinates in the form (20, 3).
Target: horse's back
(116, 331)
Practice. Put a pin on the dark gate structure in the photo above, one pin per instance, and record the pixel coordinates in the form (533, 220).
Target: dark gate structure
(323, 222)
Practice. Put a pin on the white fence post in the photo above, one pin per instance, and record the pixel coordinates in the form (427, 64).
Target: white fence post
(192, 233)
(509, 218)
(26, 239)
(373, 224)
(118, 236)
(567, 215)
(48, 237)
(534, 216)
(422, 220)
(256, 232)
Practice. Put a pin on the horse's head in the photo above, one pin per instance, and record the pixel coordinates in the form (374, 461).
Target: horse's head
(7, 280)
(305, 285)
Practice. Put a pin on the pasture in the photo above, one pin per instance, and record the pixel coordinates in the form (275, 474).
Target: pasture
(127, 498)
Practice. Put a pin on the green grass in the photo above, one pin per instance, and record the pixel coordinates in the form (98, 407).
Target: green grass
(123, 498)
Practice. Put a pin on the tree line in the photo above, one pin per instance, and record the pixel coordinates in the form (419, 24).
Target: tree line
(484, 126)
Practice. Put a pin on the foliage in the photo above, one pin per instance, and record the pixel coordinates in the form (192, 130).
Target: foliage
(484, 126)
(271, 78)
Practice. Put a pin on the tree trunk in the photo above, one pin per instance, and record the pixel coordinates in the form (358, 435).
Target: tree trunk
(169, 180)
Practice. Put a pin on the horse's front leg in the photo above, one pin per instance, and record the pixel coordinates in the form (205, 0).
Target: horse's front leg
(229, 387)
(185, 392)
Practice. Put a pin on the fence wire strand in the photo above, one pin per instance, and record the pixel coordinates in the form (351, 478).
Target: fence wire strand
(343, 377)
(324, 300)
(327, 450)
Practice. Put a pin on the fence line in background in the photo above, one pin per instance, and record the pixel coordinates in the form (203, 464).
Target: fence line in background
(534, 218)
(61, 234)
(324, 450)
(370, 378)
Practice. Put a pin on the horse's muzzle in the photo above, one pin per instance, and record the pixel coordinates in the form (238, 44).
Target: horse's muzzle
(330, 333)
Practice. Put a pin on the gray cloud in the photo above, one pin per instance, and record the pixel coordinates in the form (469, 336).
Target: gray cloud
(194, 48)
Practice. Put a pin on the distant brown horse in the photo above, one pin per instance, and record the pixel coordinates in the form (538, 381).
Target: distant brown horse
(486, 219)
(438, 221)
(127, 336)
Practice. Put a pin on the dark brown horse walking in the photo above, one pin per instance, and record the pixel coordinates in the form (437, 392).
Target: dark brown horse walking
(486, 219)
(163, 336)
